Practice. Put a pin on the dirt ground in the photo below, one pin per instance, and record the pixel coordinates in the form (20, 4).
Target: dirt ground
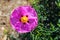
(6, 7)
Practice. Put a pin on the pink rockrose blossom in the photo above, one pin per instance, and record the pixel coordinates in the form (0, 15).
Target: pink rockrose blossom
(24, 19)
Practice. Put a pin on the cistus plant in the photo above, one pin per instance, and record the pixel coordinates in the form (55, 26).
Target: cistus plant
(48, 21)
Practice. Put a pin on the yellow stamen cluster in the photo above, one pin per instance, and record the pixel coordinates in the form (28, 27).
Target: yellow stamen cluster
(24, 19)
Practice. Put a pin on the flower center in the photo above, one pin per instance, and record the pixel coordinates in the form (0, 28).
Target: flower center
(24, 19)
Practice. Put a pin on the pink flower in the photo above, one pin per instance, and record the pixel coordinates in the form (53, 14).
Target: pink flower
(24, 19)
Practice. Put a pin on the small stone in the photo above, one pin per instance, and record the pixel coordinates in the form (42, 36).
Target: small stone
(2, 28)
(3, 23)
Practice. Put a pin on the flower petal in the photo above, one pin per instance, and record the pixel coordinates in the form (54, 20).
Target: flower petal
(14, 14)
(32, 11)
(31, 20)
(14, 20)
(18, 25)
(25, 27)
